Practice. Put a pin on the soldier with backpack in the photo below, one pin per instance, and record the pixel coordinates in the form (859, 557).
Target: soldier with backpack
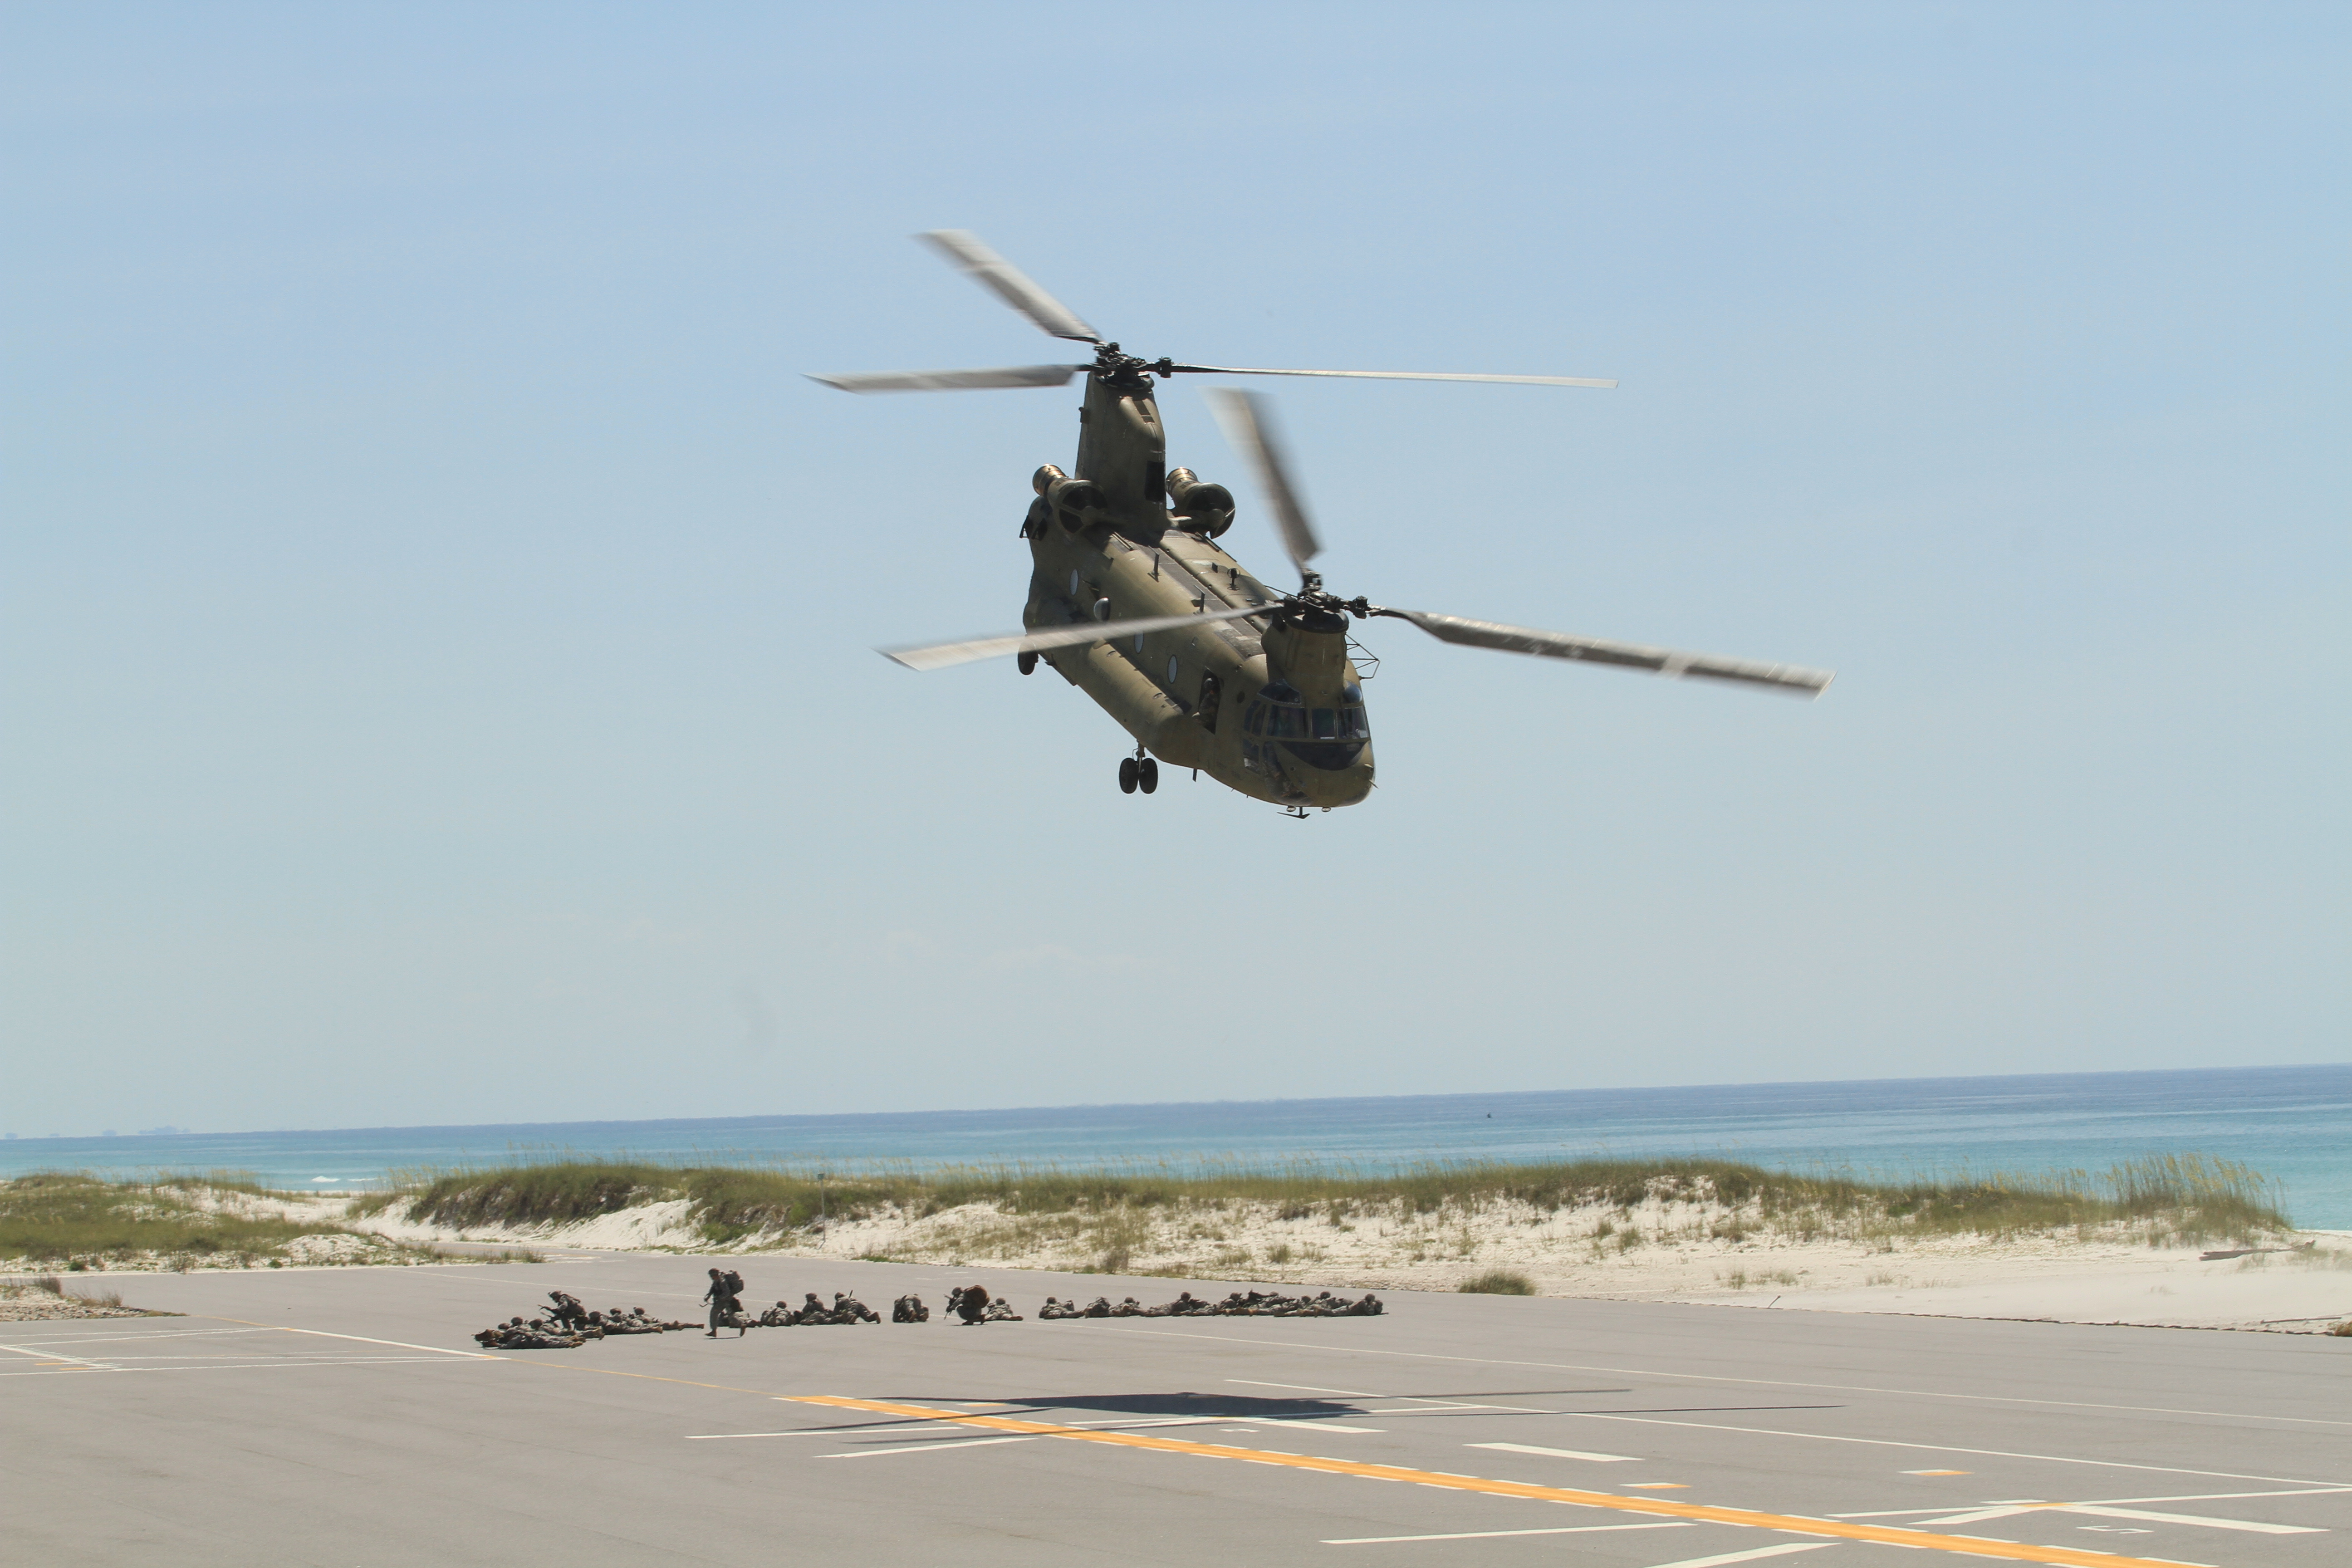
(725, 1299)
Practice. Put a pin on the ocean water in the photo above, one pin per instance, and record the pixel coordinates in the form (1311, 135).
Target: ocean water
(2294, 1124)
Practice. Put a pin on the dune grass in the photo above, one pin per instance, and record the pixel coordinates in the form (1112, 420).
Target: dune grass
(83, 1222)
(1498, 1282)
(2188, 1197)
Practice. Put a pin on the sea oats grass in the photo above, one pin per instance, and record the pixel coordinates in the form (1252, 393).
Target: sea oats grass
(86, 1222)
(1109, 1213)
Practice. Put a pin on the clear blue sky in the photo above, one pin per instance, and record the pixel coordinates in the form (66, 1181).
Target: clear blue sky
(436, 615)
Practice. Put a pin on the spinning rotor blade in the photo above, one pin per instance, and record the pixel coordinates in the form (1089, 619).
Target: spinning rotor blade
(1396, 375)
(1629, 655)
(1008, 283)
(1246, 426)
(955, 380)
(939, 656)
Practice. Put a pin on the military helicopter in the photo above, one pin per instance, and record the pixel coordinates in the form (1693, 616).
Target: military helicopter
(1132, 600)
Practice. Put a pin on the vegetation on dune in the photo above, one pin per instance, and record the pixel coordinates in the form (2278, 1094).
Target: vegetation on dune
(2189, 1198)
(85, 1222)
(1498, 1282)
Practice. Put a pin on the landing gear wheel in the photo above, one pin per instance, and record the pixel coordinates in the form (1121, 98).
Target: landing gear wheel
(1128, 771)
(1028, 663)
(1146, 775)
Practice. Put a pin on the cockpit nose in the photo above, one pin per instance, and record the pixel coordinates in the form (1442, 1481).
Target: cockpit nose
(1328, 737)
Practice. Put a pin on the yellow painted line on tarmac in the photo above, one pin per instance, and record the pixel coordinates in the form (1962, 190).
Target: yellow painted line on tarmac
(1974, 1546)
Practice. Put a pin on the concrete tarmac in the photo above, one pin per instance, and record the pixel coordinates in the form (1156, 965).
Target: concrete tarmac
(344, 1416)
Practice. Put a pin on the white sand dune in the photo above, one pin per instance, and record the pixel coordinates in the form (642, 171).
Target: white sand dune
(1663, 1251)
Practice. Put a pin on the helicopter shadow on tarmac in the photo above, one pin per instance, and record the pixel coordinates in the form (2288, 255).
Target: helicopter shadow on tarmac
(1212, 1407)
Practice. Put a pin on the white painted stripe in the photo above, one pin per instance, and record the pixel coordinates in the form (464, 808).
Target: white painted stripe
(153, 1334)
(2217, 1496)
(397, 1344)
(1331, 1348)
(1286, 1422)
(2012, 1509)
(48, 1354)
(923, 1447)
(42, 1369)
(1557, 1453)
(1310, 1388)
(2246, 1525)
(1943, 1448)
(36, 1371)
(1490, 1534)
(1751, 1554)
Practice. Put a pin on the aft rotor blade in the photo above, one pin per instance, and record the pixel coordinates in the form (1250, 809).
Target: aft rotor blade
(1009, 283)
(939, 656)
(955, 380)
(1395, 376)
(1626, 655)
(1249, 428)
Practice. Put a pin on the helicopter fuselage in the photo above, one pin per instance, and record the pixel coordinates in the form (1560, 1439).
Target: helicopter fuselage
(1272, 708)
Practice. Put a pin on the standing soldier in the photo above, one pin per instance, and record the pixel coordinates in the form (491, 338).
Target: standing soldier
(724, 1307)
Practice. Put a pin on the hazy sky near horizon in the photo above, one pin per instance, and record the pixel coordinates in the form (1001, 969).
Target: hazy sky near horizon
(435, 614)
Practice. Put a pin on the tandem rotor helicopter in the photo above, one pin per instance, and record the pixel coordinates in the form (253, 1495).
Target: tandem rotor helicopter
(1132, 601)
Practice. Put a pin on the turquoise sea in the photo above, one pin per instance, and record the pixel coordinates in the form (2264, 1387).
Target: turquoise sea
(2292, 1123)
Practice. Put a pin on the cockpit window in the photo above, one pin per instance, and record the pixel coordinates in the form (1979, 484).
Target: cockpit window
(1326, 724)
(1353, 725)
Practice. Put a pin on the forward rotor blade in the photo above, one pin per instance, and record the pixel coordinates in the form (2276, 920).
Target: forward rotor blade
(1008, 283)
(1248, 426)
(955, 380)
(939, 656)
(1628, 655)
(1396, 375)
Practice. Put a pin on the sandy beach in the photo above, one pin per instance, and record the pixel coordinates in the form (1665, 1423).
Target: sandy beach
(2298, 1282)
(1701, 1252)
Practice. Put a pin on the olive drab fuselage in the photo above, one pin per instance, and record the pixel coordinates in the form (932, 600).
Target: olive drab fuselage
(1272, 709)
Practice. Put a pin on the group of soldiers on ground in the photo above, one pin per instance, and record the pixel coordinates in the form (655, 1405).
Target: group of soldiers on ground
(846, 1309)
(725, 1299)
(567, 1325)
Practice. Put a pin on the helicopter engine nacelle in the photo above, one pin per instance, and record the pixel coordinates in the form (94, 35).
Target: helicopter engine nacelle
(1199, 507)
(1076, 503)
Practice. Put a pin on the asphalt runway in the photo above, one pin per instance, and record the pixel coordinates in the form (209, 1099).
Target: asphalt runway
(344, 1416)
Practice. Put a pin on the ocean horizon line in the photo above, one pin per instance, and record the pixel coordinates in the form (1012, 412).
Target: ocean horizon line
(2288, 1121)
(772, 1118)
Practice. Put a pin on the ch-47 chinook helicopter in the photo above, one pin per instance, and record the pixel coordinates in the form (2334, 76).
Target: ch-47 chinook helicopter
(1132, 601)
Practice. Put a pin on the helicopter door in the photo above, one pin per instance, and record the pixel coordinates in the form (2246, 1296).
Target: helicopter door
(1212, 699)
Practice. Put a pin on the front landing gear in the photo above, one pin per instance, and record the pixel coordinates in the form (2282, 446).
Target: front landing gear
(1138, 772)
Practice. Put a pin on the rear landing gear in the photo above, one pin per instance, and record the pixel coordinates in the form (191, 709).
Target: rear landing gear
(1138, 772)
(1027, 661)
